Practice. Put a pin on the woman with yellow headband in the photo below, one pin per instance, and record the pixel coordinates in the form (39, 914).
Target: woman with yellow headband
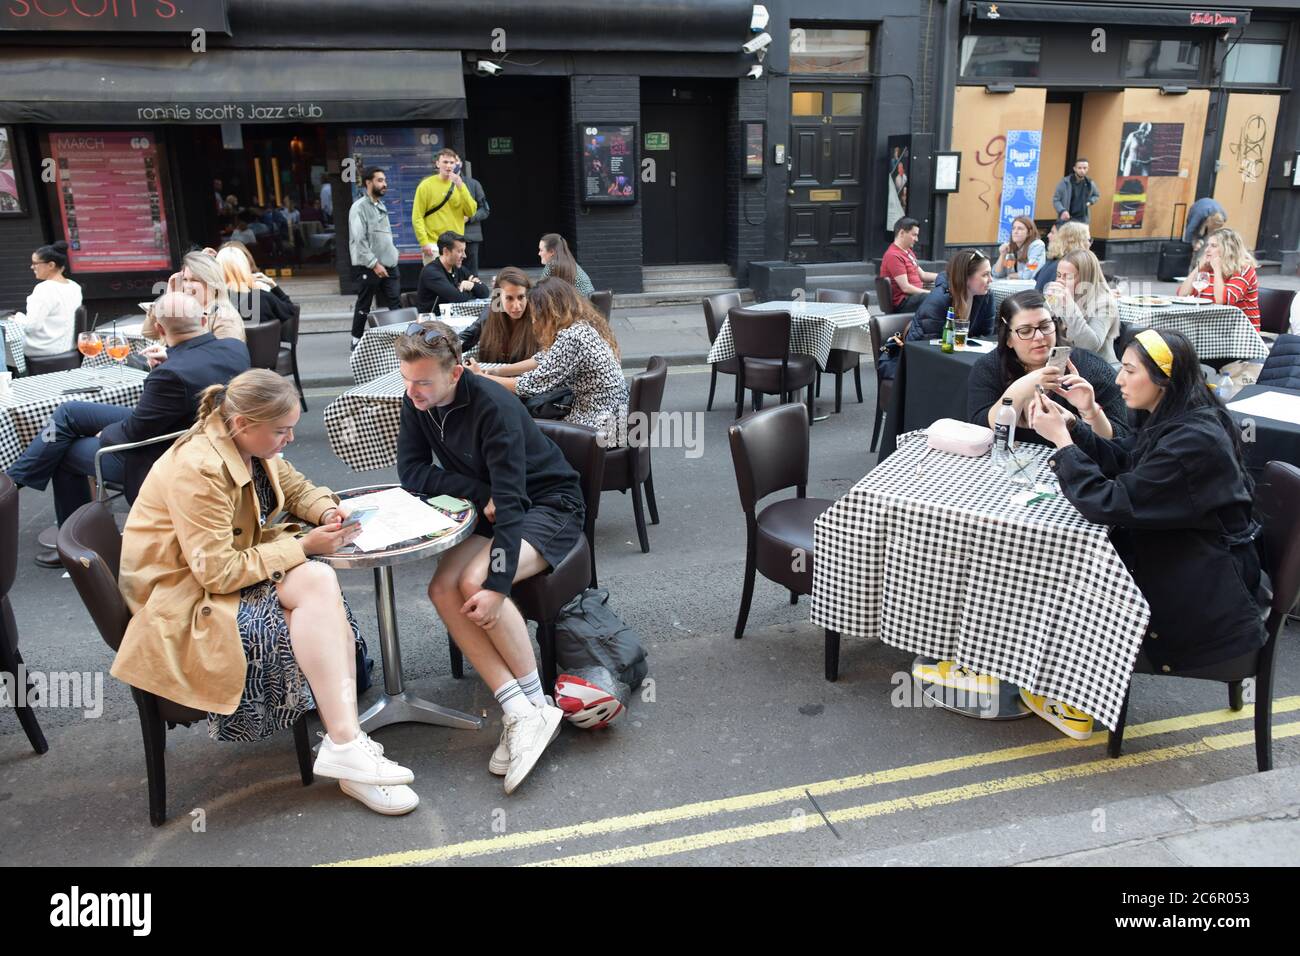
(1177, 496)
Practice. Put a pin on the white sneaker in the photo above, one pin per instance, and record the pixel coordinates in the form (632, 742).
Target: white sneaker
(361, 760)
(390, 801)
(526, 738)
(499, 762)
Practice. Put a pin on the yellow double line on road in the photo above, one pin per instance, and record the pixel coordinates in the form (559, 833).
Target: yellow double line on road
(786, 824)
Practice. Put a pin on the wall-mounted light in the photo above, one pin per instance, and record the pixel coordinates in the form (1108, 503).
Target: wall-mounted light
(1000, 88)
(1170, 89)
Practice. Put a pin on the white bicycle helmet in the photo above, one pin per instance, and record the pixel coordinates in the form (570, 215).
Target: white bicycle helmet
(585, 703)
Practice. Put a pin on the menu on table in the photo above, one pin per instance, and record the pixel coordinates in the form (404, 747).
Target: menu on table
(110, 200)
(406, 157)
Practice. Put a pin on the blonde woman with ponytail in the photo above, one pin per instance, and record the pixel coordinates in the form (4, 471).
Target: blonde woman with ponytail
(229, 614)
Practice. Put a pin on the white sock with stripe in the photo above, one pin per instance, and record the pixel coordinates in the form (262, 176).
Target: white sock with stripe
(512, 699)
(531, 685)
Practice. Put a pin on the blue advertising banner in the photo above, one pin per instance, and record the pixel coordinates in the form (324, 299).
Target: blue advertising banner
(1019, 178)
(406, 157)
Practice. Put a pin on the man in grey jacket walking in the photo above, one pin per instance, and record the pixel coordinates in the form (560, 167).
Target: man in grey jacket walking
(473, 231)
(374, 255)
(1075, 195)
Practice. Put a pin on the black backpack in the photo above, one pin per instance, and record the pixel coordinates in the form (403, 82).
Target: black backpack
(588, 633)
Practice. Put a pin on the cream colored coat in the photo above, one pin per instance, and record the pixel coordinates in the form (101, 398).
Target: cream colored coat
(192, 541)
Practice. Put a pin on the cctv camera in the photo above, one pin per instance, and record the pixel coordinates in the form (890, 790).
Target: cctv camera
(488, 68)
(760, 42)
(755, 72)
(758, 22)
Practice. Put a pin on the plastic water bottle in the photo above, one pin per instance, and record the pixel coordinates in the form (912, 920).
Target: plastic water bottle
(1004, 433)
(1226, 387)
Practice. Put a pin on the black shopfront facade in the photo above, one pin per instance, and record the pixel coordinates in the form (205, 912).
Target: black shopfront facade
(634, 130)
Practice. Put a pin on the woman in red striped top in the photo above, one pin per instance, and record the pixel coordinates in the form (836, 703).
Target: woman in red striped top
(1230, 268)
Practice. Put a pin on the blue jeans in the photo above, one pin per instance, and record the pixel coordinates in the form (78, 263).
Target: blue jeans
(65, 451)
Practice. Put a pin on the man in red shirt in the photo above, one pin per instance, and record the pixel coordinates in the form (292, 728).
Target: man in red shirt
(900, 267)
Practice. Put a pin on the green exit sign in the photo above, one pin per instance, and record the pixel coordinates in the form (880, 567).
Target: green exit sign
(656, 141)
(501, 145)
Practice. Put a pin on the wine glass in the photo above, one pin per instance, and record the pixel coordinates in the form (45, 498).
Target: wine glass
(1200, 283)
(118, 349)
(89, 344)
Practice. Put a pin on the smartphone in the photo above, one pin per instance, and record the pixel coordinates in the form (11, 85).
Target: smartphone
(1059, 357)
(358, 517)
(456, 169)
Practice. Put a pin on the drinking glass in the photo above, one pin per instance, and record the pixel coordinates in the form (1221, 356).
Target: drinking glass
(1019, 465)
(89, 344)
(1201, 282)
(959, 332)
(118, 349)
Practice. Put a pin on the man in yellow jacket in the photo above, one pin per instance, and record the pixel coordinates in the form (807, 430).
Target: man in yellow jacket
(442, 204)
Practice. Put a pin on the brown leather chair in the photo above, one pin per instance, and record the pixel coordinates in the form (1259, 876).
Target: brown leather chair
(263, 341)
(1275, 310)
(604, 302)
(81, 322)
(884, 327)
(627, 468)
(769, 450)
(10, 659)
(1277, 508)
(286, 363)
(716, 308)
(884, 294)
(90, 547)
(541, 597)
(392, 317)
(59, 362)
(842, 360)
(766, 363)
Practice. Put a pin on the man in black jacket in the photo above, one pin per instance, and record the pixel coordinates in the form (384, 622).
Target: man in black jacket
(65, 449)
(531, 515)
(445, 279)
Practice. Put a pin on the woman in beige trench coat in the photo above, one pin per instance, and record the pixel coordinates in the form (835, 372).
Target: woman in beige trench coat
(229, 614)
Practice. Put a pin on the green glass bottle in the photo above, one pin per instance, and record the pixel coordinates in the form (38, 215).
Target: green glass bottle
(949, 325)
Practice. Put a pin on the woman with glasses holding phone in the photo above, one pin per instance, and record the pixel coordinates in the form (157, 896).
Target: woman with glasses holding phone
(1084, 385)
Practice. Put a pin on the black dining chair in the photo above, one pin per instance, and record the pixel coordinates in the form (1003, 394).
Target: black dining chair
(263, 341)
(1275, 310)
(90, 547)
(884, 294)
(769, 450)
(541, 597)
(627, 467)
(407, 300)
(10, 658)
(61, 361)
(1277, 507)
(392, 317)
(883, 328)
(767, 366)
(604, 302)
(840, 361)
(286, 362)
(716, 308)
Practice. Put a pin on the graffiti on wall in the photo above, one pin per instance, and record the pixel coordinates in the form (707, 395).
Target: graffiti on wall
(1249, 149)
(989, 161)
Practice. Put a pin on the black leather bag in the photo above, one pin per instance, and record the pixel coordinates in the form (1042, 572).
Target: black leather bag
(555, 404)
(1175, 257)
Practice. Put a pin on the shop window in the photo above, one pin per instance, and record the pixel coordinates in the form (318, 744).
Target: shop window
(821, 50)
(846, 104)
(1163, 59)
(1253, 63)
(1000, 56)
(806, 103)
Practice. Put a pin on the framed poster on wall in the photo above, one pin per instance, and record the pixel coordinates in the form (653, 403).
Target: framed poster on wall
(900, 164)
(406, 156)
(11, 197)
(947, 172)
(608, 158)
(755, 149)
(110, 200)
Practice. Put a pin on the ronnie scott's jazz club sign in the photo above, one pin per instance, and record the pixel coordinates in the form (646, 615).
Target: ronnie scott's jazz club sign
(134, 16)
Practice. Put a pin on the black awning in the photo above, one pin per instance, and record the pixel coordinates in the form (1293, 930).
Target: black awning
(116, 87)
(1150, 14)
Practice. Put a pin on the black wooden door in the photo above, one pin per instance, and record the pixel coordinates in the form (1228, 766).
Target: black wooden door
(683, 210)
(825, 193)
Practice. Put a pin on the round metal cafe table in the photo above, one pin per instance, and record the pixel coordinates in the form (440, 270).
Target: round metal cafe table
(398, 705)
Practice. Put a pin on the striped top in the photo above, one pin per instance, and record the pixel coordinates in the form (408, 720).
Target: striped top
(1240, 290)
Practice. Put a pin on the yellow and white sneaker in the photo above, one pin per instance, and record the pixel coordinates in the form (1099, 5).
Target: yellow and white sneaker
(1070, 721)
(952, 674)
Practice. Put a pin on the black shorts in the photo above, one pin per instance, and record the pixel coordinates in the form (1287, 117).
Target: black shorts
(552, 527)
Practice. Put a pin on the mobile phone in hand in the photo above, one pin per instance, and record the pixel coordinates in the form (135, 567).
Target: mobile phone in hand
(358, 517)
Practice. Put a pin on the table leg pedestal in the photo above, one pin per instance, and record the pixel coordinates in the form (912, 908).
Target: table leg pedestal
(399, 705)
(1002, 704)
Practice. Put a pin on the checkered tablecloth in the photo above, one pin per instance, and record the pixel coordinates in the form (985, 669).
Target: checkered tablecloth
(32, 400)
(1001, 288)
(375, 356)
(942, 564)
(815, 329)
(1215, 331)
(15, 343)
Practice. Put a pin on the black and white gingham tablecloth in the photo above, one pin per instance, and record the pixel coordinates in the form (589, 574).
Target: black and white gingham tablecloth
(32, 400)
(942, 564)
(1215, 331)
(15, 343)
(815, 329)
(375, 356)
(1001, 288)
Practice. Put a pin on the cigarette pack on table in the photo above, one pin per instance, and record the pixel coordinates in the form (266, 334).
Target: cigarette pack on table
(959, 438)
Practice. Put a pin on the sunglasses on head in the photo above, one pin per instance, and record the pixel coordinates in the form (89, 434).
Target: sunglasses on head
(430, 336)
